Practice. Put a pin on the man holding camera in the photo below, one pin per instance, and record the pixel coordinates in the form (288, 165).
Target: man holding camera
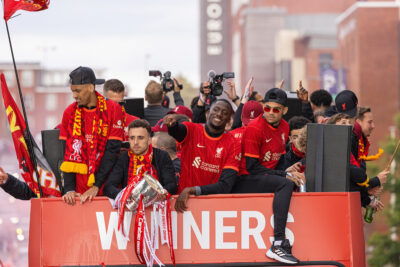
(154, 94)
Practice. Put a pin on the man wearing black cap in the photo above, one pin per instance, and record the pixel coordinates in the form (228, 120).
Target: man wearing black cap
(92, 128)
(346, 102)
(264, 143)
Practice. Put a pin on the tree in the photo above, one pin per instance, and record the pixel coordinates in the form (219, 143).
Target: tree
(386, 246)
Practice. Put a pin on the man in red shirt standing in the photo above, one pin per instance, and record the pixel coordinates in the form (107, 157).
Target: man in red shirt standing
(92, 129)
(264, 143)
(210, 157)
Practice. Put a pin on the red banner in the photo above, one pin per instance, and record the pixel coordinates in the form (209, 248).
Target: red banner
(215, 229)
(18, 128)
(10, 6)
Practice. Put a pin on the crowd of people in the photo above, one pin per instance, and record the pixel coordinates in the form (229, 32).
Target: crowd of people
(240, 144)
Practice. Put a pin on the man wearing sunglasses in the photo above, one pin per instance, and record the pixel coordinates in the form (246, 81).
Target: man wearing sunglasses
(264, 143)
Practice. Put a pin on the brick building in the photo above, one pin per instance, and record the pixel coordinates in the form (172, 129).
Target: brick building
(291, 40)
(368, 37)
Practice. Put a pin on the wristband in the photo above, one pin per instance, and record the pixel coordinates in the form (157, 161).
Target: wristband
(236, 98)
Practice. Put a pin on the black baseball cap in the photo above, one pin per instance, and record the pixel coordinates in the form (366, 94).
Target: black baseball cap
(346, 102)
(84, 75)
(276, 95)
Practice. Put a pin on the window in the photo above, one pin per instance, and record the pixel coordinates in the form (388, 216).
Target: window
(29, 100)
(10, 78)
(51, 102)
(27, 78)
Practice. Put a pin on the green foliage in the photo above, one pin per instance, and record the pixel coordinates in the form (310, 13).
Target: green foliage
(385, 249)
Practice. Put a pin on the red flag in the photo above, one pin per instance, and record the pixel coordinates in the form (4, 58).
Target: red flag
(18, 129)
(10, 6)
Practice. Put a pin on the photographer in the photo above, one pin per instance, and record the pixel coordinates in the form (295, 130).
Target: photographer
(203, 104)
(154, 95)
(209, 91)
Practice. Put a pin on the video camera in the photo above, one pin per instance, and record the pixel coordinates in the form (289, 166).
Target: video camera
(166, 81)
(216, 81)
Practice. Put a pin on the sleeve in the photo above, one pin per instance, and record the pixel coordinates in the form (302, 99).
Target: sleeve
(374, 182)
(251, 140)
(114, 182)
(234, 155)
(116, 126)
(178, 131)
(178, 99)
(167, 176)
(64, 124)
(17, 188)
(237, 118)
(307, 111)
(199, 114)
(254, 167)
(107, 162)
(224, 185)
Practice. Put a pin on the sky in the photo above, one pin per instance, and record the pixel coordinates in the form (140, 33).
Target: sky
(125, 38)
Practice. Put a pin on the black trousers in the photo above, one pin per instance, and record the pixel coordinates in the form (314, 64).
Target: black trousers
(263, 183)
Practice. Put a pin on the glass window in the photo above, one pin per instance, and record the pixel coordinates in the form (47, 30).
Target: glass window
(27, 78)
(51, 102)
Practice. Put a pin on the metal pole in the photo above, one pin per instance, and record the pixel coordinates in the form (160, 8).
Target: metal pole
(28, 134)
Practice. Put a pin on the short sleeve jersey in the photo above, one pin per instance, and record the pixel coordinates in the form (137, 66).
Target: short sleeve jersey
(264, 142)
(204, 157)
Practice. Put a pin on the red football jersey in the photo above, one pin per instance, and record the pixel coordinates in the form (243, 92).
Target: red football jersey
(264, 142)
(116, 132)
(204, 157)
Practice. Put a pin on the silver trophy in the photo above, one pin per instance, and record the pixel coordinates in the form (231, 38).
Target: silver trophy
(151, 190)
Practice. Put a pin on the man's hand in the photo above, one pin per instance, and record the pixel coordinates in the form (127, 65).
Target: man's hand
(169, 120)
(180, 204)
(281, 84)
(248, 91)
(232, 92)
(205, 86)
(3, 176)
(376, 204)
(176, 86)
(69, 197)
(294, 168)
(376, 191)
(302, 93)
(298, 178)
(89, 194)
(382, 176)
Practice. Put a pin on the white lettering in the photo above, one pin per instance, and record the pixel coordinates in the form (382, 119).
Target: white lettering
(220, 229)
(214, 25)
(203, 237)
(214, 11)
(214, 37)
(255, 232)
(174, 225)
(106, 236)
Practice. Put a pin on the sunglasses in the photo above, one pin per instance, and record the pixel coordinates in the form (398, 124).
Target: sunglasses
(206, 87)
(274, 110)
